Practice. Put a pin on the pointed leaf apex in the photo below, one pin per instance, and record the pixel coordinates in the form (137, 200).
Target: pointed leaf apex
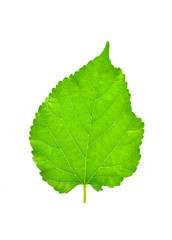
(105, 52)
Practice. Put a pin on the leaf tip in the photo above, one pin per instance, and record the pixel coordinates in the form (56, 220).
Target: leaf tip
(105, 52)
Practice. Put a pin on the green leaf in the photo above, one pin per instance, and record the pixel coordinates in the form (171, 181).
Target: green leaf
(85, 132)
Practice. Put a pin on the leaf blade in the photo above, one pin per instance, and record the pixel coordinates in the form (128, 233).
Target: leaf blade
(86, 130)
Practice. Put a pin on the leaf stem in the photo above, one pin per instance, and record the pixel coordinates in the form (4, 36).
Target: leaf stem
(84, 193)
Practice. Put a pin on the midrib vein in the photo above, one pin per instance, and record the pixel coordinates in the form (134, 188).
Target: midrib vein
(95, 98)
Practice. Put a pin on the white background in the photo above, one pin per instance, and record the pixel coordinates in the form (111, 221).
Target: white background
(41, 42)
